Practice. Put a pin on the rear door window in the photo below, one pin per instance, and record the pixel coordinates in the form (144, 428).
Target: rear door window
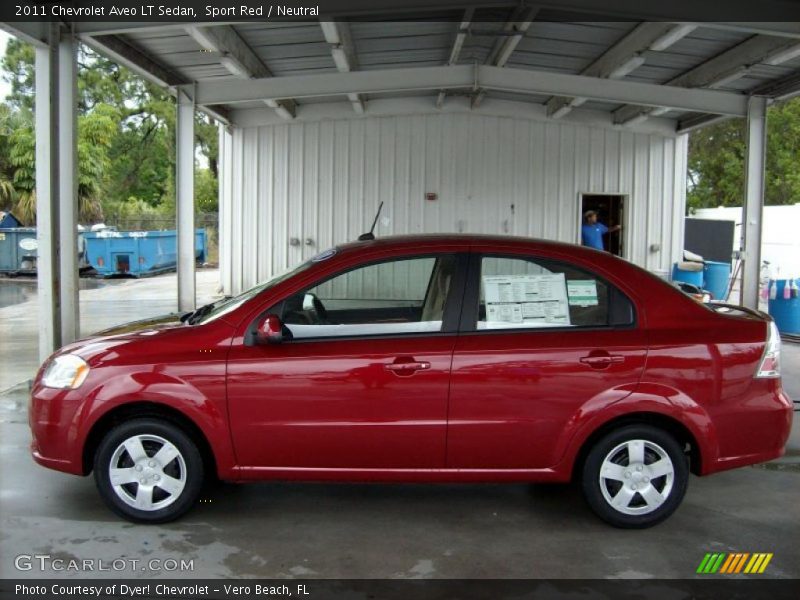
(537, 293)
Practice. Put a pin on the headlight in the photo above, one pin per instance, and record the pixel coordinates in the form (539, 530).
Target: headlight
(65, 372)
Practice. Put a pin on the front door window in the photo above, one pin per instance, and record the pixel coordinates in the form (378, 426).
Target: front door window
(387, 298)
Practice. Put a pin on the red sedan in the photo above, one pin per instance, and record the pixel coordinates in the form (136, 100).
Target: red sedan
(423, 358)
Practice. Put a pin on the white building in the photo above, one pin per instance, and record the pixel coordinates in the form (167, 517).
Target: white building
(780, 244)
(290, 190)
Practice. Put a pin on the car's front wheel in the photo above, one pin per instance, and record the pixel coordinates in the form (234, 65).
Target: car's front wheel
(635, 476)
(148, 470)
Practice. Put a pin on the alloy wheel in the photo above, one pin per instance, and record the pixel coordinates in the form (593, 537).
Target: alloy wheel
(147, 472)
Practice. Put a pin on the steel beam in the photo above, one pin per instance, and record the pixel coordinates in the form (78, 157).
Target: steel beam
(789, 28)
(512, 33)
(755, 166)
(782, 88)
(33, 32)
(184, 190)
(226, 42)
(698, 120)
(522, 81)
(224, 91)
(68, 186)
(238, 57)
(723, 68)
(125, 53)
(343, 52)
(629, 46)
(455, 51)
(47, 213)
(611, 90)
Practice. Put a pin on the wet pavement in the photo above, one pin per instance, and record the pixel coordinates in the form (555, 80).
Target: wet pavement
(17, 290)
(103, 303)
(374, 531)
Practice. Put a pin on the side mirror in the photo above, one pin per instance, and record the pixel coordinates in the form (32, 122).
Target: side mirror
(270, 330)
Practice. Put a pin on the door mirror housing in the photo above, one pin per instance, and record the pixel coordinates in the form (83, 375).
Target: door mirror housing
(270, 330)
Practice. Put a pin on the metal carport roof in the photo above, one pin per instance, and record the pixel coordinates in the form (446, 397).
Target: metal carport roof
(733, 59)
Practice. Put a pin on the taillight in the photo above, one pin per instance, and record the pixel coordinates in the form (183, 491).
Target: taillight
(771, 362)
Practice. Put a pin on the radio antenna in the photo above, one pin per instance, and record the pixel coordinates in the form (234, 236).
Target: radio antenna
(370, 235)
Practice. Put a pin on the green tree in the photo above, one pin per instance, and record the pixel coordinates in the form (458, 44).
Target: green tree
(717, 160)
(18, 70)
(126, 133)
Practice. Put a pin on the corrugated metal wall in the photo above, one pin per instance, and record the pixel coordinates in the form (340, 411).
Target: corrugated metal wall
(322, 181)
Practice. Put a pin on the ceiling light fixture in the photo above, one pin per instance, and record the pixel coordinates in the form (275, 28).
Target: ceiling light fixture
(673, 35)
(561, 111)
(280, 109)
(330, 31)
(340, 58)
(783, 55)
(205, 39)
(728, 77)
(633, 63)
(235, 67)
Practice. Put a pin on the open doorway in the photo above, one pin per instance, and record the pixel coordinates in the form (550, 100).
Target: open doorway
(610, 209)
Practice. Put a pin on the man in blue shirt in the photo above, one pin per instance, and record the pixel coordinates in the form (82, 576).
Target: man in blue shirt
(592, 232)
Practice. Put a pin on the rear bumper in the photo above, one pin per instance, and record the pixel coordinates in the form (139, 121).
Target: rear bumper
(761, 437)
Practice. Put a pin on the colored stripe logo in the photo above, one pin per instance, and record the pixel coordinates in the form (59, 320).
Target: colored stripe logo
(734, 562)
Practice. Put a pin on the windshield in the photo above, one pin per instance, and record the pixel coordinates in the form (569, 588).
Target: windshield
(229, 304)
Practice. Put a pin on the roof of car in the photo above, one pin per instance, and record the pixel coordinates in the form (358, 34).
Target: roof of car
(467, 239)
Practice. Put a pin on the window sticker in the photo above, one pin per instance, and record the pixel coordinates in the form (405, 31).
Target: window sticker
(527, 300)
(582, 292)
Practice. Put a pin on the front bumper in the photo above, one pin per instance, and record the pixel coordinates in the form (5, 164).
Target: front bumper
(53, 421)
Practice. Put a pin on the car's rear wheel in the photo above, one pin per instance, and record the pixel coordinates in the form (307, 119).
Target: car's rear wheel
(148, 470)
(635, 476)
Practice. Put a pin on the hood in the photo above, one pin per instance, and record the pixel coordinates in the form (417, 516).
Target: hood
(159, 322)
(102, 344)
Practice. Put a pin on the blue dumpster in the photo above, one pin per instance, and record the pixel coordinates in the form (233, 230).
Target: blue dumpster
(716, 278)
(9, 221)
(785, 312)
(18, 250)
(137, 253)
(688, 273)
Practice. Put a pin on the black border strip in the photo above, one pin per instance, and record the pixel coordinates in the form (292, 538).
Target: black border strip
(706, 588)
(194, 11)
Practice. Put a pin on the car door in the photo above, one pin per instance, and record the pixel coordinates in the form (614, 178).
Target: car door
(363, 382)
(540, 339)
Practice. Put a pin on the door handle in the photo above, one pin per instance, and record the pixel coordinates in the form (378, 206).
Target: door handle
(602, 361)
(408, 368)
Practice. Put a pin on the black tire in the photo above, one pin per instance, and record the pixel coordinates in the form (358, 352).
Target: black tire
(186, 467)
(656, 441)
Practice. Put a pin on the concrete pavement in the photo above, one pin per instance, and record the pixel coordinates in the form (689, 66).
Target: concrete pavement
(103, 303)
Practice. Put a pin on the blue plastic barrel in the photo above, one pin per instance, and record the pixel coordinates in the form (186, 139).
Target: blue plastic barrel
(717, 275)
(786, 313)
(693, 277)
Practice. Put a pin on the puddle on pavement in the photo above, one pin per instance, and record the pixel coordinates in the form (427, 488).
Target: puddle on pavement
(779, 466)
